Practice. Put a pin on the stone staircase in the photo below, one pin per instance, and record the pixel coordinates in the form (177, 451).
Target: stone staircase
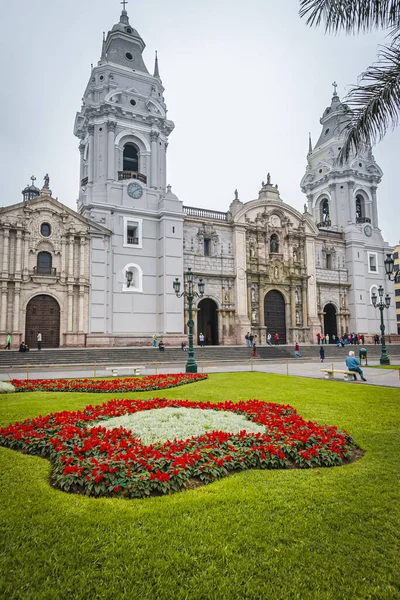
(207, 355)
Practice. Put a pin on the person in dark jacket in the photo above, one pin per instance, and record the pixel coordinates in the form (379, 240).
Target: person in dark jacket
(321, 353)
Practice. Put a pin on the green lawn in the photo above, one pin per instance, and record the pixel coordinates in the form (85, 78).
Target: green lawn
(301, 534)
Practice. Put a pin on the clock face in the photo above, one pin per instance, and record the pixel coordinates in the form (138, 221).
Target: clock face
(368, 230)
(135, 191)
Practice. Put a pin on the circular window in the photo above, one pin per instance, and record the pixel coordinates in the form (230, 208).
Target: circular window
(128, 30)
(129, 56)
(45, 229)
(133, 102)
(100, 129)
(320, 170)
(326, 131)
(101, 77)
(360, 164)
(340, 147)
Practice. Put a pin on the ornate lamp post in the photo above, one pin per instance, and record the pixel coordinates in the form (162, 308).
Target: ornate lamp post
(389, 268)
(190, 294)
(382, 304)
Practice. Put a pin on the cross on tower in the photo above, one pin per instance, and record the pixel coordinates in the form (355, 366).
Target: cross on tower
(124, 3)
(33, 179)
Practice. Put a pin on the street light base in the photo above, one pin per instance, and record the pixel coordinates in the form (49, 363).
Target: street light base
(385, 360)
(191, 368)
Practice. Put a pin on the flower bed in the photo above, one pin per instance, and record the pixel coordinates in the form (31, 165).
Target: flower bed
(127, 384)
(89, 459)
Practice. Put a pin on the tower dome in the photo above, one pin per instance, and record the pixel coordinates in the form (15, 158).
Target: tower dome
(31, 191)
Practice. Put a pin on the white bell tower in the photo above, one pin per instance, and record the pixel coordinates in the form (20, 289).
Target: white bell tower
(123, 131)
(343, 198)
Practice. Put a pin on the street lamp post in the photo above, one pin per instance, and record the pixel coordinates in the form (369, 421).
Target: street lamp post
(382, 304)
(190, 294)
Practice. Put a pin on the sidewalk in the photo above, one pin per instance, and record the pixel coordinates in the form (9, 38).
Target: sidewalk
(293, 367)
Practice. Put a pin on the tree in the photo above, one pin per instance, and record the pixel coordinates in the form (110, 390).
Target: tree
(374, 103)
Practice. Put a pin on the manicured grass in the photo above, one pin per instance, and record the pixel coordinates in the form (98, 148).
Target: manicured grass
(301, 534)
(393, 367)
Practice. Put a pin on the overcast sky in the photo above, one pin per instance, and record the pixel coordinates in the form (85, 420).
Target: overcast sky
(245, 81)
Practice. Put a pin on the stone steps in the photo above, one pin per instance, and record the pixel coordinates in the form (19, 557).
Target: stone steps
(209, 354)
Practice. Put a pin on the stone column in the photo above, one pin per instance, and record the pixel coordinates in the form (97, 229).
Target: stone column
(293, 304)
(154, 135)
(6, 248)
(4, 306)
(26, 252)
(81, 307)
(81, 163)
(91, 153)
(82, 257)
(310, 203)
(18, 254)
(333, 206)
(17, 298)
(111, 150)
(71, 256)
(70, 299)
(351, 207)
(374, 207)
(304, 303)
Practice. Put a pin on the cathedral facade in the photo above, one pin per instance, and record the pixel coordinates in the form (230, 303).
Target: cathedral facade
(267, 267)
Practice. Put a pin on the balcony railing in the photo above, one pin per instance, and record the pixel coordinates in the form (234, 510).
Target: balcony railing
(191, 211)
(363, 220)
(133, 240)
(84, 181)
(123, 175)
(45, 271)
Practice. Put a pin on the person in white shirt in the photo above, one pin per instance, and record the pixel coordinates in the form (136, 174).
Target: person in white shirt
(39, 341)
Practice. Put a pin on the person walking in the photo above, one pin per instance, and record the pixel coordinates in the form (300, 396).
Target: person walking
(201, 340)
(247, 338)
(353, 365)
(269, 338)
(155, 340)
(39, 341)
(254, 348)
(322, 354)
(8, 342)
(276, 338)
(297, 350)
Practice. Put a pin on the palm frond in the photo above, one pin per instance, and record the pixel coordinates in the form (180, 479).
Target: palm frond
(374, 104)
(351, 16)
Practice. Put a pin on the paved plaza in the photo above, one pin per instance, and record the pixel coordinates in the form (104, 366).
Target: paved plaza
(292, 367)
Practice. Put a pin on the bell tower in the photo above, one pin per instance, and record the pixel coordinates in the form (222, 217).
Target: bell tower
(342, 199)
(123, 131)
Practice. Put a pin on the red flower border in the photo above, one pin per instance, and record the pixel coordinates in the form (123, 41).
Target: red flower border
(101, 462)
(127, 384)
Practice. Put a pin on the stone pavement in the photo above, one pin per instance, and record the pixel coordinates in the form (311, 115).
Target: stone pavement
(292, 367)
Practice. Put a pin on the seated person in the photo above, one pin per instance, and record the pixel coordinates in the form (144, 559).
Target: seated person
(23, 347)
(183, 346)
(161, 346)
(353, 365)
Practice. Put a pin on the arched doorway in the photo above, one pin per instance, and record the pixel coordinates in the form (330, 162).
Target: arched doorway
(43, 314)
(330, 321)
(207, 321)
(275, 315)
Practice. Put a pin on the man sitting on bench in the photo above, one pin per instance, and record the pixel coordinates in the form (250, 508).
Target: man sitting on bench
(353, 365)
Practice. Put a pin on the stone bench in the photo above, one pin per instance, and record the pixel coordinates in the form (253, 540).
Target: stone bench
(134, 369)
(330, 374)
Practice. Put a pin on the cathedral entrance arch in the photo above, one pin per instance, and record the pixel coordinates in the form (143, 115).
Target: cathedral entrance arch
(43, 314)
(207, 321)
(275, 315)
(330, 321)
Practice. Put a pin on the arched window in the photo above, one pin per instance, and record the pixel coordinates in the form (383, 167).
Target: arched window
(274, 243)
(360, 208)
(131, 158)
(44, 262)
(325, 216)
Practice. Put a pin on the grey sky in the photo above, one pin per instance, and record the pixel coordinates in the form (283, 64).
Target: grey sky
(245, 81)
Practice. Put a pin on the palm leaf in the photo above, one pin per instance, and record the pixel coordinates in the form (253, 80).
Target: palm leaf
(374, 104)
(352, 16)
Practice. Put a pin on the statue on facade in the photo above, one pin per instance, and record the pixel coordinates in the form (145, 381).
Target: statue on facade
(305, 209)
(274, 246)
(46, 181)
(236, 195)
(269, 179)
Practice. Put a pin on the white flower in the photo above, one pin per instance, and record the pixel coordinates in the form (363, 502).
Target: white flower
(162, 424)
